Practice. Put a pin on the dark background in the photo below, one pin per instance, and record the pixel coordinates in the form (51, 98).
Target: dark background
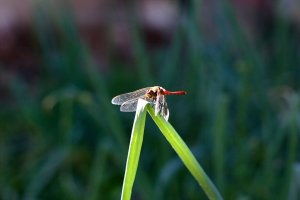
(62, 62)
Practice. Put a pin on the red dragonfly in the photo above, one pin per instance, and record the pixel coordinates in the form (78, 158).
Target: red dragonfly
(156, 96)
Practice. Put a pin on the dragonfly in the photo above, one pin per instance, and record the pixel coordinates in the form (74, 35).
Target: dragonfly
(155, 95)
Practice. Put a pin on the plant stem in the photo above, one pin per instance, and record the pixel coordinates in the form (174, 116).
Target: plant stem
(186, 155)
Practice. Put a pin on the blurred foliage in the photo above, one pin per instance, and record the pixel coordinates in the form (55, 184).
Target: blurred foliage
(62, 139)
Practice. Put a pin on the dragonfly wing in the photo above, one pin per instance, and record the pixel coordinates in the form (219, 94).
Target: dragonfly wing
(122, 98)
(161, 107)
(129, 106)
(165, 112)
(158, 104)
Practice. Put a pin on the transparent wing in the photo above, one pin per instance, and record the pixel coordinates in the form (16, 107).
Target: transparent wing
(165, 112)
(161, 107)
(158, 104)
(122, 98)
(129, 106)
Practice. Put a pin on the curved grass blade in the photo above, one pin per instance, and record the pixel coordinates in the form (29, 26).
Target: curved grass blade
(185, 155)
(135, 146)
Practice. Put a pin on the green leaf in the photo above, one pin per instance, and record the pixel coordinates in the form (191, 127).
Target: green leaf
(135, 146)
(176, 142)
(185, 155)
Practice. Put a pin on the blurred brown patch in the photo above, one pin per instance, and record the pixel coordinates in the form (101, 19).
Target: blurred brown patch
(105, 26)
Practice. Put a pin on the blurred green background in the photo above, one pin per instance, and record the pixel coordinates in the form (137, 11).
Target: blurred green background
(62, 62)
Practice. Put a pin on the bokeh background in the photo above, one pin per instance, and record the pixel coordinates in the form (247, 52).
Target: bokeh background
(61, 62)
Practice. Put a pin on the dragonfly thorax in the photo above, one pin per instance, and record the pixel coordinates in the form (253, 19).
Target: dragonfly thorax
(153, 92)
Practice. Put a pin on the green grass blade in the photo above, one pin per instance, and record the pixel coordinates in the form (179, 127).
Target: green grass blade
(219, 141)
(135, 146)
(46, 173)
(186, 156)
